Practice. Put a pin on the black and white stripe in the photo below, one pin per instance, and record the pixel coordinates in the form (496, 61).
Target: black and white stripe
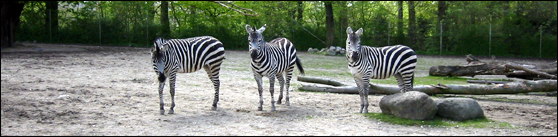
(275, 59)
(367, 63)
(185, 56)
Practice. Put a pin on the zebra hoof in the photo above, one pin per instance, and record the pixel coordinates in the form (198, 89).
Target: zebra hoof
(287, 103)
(278, 101)
(162, 112)
(260, 109)
(213, 108)
(171, 111)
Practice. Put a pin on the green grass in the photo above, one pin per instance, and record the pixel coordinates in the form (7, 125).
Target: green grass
(439, 122)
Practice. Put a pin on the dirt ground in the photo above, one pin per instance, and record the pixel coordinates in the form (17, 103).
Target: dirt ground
(51, 89)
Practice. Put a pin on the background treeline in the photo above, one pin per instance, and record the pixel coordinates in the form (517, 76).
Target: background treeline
(501, 28)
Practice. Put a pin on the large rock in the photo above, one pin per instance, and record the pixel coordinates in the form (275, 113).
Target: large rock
(312, 50)
(410, 105)
(459, 109)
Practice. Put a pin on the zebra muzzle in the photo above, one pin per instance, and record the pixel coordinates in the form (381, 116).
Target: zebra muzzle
(254, 54)
(354, 56)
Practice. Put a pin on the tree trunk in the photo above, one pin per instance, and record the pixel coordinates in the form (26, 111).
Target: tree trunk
(471, 89)
(10, 11)
(412, 24)
(300, 10)
(51, 20)
(343, 17)
(330, 34)
(399, 22)
(165, 30)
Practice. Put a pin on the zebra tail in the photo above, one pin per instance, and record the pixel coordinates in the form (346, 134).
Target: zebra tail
(299, 65)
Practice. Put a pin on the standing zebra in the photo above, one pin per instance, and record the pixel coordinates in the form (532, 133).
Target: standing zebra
(273, 60)
(186, 56)
(378, 63)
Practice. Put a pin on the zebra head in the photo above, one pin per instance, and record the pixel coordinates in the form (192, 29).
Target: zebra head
(157, 56)
(255, 39)
(353, 44)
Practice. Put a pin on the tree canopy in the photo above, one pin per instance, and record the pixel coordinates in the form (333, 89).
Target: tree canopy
(501, 28)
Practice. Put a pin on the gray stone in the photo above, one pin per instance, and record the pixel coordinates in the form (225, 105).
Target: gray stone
(331, 51)
(312, 50)
(459, 109)
(410, 105)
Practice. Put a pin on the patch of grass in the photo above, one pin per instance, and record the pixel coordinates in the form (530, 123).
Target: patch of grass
(439, 122)
(309, 117)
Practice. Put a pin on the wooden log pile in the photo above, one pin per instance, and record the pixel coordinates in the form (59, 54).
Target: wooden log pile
(475, 66)
(332, 86)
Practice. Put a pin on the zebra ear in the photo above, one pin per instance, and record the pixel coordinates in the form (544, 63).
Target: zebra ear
(262, 28)
(349, 30)
(359, 32)
(248, 28)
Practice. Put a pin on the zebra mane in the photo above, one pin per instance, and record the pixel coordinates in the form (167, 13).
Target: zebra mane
(159, 43)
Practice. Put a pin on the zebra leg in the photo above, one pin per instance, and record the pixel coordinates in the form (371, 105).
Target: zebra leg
(161, 102)
(172, 83)
(281, 84)
(359, 82)
(408, 81)
(400, 82)
(260, 90)
(366, 89)
(271, 91)
(213, 74)
(287, 83)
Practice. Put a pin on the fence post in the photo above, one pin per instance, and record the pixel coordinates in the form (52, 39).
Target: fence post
(389, 26)
(49, 26)
(540, 41)
(100, 12)
(490, 39)
(441, 33)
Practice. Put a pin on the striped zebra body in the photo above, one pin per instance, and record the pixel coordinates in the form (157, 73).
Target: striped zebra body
(186, 56)
(276, 56)
(274, 59)
(367, 63)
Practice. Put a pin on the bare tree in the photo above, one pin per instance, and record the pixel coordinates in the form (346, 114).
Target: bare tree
(412, 24)
(399, 21)
(300, 10)
(330, 34)
(10, 19)
(165, 30)
(51, 19)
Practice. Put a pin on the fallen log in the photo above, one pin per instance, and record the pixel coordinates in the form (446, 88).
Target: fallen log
(471, 89)
(510, 69)
(487, 82)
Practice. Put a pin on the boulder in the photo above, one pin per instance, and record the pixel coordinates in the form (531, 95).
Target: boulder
(312, 50)
(459, 109)
(331, 51)
(410, 105)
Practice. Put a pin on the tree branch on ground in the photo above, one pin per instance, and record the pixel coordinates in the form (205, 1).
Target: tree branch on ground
(515, 87)
(475, 66)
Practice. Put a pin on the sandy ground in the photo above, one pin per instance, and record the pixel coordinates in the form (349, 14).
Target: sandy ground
(89, 90)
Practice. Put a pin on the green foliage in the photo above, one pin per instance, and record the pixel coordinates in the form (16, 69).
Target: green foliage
(515, 25)
(439, 122)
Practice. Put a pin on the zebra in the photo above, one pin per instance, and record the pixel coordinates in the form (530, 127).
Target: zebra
(378, 63)
(188, 55)
(274, 59)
